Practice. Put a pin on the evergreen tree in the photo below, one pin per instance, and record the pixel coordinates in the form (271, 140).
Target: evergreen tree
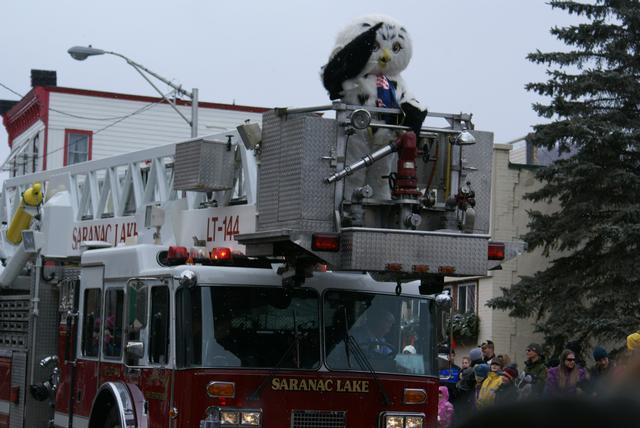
(591, 290)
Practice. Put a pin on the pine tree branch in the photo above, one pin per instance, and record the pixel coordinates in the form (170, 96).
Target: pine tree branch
(591, 288)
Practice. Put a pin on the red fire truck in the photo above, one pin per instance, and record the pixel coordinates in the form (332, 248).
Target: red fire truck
(243, 279)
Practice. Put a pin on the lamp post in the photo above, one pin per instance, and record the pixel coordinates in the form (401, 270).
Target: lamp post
(81, 53)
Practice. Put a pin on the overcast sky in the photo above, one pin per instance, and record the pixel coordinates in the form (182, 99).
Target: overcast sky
(468, 55)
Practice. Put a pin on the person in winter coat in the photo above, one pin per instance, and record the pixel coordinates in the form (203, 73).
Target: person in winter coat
(487, 392)
(565, 379)
(600, 370)
(534, 367)
(467, 382)
(507, 391)
(445, 408)
(481, 371)
(466, 362)
(633, 342)
(488, 352)
(466, 386)
(602, 365)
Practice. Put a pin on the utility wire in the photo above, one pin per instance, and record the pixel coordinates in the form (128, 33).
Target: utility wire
(10, 90)
(112, 118)
(140, 110)
(86, 117)
(28, 158)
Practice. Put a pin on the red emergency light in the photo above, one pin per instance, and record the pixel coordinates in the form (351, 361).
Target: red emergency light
(325, 242)
(177, 254)
(221, 253)
(496, 251)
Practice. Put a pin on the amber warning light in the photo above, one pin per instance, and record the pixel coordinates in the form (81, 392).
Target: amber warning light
(496, 251)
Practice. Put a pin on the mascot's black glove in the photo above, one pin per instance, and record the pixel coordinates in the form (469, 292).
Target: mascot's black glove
(413, 117)
(349, 61)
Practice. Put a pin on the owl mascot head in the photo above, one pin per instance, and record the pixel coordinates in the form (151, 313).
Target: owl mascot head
(365, 68)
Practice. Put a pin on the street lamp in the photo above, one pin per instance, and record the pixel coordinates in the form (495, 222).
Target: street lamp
(81, 53)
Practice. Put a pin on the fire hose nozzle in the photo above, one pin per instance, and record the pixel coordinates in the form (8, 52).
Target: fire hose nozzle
(365, 161)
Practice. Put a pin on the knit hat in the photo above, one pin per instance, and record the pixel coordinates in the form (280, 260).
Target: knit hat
(498, 362)
(481, 370)
(535, 347)
(475, 354)
(510, 372)
(599, 353)
(633, 341)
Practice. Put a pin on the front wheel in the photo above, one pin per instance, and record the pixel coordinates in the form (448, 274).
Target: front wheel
(113, 418)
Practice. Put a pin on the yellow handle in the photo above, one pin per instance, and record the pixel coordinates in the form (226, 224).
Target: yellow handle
(22, 219)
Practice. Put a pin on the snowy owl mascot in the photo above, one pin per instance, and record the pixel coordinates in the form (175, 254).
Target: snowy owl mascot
(365, 69)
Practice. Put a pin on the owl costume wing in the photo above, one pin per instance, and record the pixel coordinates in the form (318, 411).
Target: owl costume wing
(349, 62)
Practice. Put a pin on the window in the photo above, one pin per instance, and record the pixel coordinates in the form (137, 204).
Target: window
(137, 297)
(112, 335)
(34, 152)
(77, 146)
(159, 337)
(466, 301)
(248, 326)
(91, 323)
(389, 333)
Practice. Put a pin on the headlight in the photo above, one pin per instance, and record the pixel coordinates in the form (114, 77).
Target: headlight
(233, 418)
(394, 422)
(399, 420)
(251, 418)
(229, 417)
(413, 422)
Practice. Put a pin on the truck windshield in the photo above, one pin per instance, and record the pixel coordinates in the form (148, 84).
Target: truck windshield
(394, 334)
(248, 327)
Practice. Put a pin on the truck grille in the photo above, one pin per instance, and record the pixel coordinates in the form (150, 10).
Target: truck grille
(318, 419)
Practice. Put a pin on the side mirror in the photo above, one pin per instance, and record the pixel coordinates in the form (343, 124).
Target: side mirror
(135, 349)
(188, 278)
(443, 300)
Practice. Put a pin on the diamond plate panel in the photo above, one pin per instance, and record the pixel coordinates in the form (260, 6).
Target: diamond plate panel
(268, 177)
(320, 138)
(291, 189)
(46, 341)
(291, 169)
(203, 165)
(18, 377)
(371, 250)
(480, 156)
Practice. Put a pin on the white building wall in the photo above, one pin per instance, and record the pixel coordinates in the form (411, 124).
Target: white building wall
(509, 223)
(121, 126)
(22, 150)
(518, 153)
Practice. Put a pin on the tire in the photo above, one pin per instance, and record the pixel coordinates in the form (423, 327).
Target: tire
(113, 418)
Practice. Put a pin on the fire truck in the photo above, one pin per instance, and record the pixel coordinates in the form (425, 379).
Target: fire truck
(243, 279)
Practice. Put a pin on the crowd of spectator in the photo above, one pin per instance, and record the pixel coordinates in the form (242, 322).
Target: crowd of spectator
(486, 380)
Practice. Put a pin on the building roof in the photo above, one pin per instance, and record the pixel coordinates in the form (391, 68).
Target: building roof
(34, 106)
